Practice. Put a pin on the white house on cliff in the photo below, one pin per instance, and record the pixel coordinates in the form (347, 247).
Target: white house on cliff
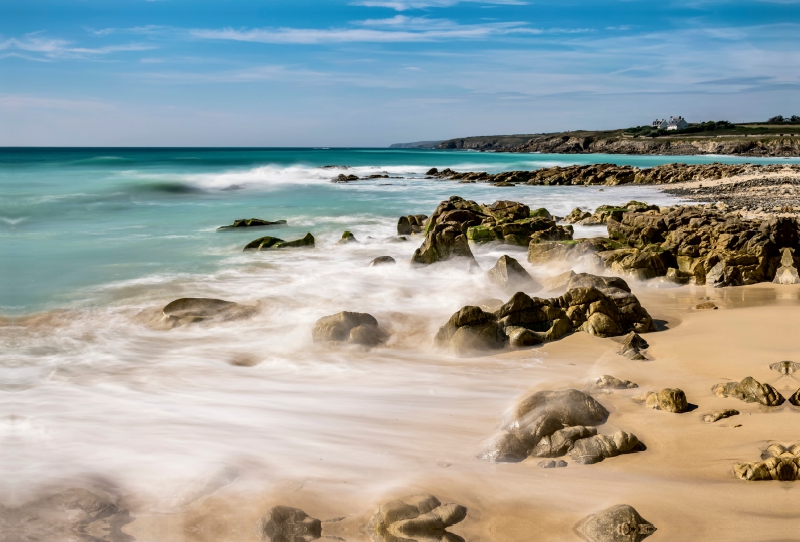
(674, 123)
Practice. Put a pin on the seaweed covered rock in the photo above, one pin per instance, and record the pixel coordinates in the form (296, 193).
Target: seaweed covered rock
(190, 310)
(471, 330)
(287, 524)
(415, 518)
(349, 327)
(621, 523)
(750, 390)
(510, 275)
(251, 223)
(599, 447)
(347, 237)
(265, 243)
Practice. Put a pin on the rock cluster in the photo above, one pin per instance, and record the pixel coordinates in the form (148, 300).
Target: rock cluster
(265, 243)
(415, 518)
(349, 327)
(410, 224)
(287, 524)
(604, 213)
(600, 306)
(190, 310)
(780, 463)
(750, 390)
(251, 223)
(621, 523)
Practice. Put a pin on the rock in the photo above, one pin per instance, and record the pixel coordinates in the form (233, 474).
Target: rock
(411, 224)
(469, 331)
(510, 275)
(621, 523)
(706, 305)
(785, 367)
(750, 390)
(795, 398)
(668, 400)
(264, 243)
(382, 260)
(347, 237)
(541, 212)
(416, 518)
(504, 448)
(719, 414)
(544, 251)
(520, 337)
(350, 327)
(403, 226)
(576, 215)
(677, 276)
(587, 280)
(553, 464)
(72, 515)
(287, 524)
(780, 463)
(443, 242)
(632, 347)
(559, 282)
(562, 441)
(189, 310)
(787, 272)
(607, 382)
(342, 178)
(599, 447)
(251, 223)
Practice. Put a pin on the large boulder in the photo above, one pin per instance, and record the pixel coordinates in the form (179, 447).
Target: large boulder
(420, 518)
(265, 243)
(287, 524)
(190, 310)
(349, 327)
(621, 523)
(445, 231)
(471, 330)
(750, 390)
(508, 274)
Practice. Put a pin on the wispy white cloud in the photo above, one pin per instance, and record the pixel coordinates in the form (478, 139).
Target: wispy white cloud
(405, 5)
(17, 101)
(53, 48)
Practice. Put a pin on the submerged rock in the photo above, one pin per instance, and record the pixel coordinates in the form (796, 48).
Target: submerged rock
(621, 523)
(287, 524)
(750, 390)
(415, 518)
(189, 310)
(510, 275)
(347, 237)
(553, 464)
(349, 327)
(251, 223)
(264, 243)
(382, 260)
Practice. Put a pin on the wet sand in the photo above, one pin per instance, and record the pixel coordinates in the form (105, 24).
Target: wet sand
(683, 482)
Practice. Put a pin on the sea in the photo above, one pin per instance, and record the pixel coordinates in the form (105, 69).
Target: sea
(94, 242)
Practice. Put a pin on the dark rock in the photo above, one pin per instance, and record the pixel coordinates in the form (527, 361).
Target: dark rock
(416, 518)
(342, 178)
(287, 524)
(189, 310)
(264, 243)
(347, 237)
(621, 523)
(510, 275)
(382, 260)
(251, 223)
(750, 390)
(599, 447)
(469, 331)
(795, 399)
(351, 327)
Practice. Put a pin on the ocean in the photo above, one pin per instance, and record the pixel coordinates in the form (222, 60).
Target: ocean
(94, 394)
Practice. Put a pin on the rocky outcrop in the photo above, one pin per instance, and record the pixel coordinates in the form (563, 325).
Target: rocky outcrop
(668, 400)
(542, 415)
(287, 524)
(411, 224)
(190, 310)
(719, 415)
(415, 518)
(251, 223)
(349, 327)
(265, 243)
(561, 442)
(604, 213)
(508, 274)
(548, 251)
(599, 447)
(750, 390)
(604, 310)
(621, 523)
(445, 233)
(72, 515)
(780, 463)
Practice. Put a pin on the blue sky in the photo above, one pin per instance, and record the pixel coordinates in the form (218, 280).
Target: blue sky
(374, 72)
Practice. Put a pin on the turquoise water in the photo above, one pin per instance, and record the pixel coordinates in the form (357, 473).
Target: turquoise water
(76, 219)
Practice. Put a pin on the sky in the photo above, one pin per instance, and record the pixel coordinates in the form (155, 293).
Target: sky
(374, 72)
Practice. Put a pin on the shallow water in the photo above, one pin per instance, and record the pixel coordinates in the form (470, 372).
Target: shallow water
(93, 394)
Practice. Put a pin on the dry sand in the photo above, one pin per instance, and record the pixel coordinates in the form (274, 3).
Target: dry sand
(683, 483)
